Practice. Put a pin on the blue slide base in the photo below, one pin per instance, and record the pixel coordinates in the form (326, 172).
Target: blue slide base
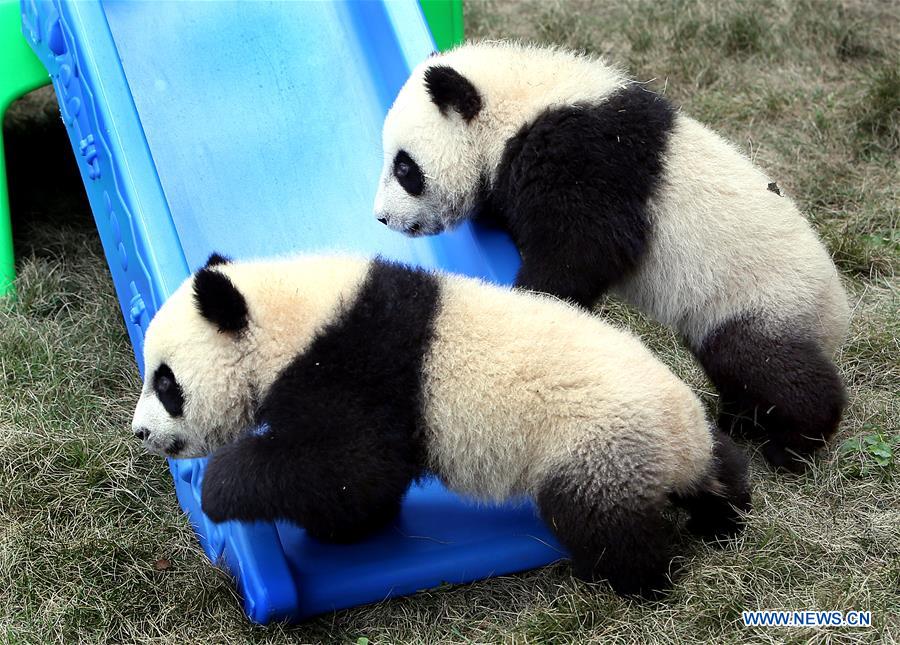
(253, 129)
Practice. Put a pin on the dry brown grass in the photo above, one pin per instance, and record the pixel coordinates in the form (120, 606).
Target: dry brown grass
(809, 88)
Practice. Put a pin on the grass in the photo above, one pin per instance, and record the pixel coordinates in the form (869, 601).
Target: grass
(808, 88)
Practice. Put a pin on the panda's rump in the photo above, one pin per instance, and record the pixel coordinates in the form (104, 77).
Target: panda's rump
(723, 244)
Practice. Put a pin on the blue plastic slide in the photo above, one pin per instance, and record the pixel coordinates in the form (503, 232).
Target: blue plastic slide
(252, 129)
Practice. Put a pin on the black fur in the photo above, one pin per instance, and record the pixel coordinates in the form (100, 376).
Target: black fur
(175, 447)
(781, 389)
(573, 187)
(345, 435)
(603, 509)
(219, 301)
(612, 529)
(450, 89)
(408, 173)
(216, 259)
(716, 508)
(168, 390)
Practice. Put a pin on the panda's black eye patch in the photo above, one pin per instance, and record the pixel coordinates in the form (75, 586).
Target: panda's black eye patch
(408, 174)
(168, 391)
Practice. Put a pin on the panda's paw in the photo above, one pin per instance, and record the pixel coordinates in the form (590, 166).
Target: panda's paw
(225, 490)
(214, 498)
(646, 582)
(345, 526)
(713, 530)
(783, 459)
(654, 588)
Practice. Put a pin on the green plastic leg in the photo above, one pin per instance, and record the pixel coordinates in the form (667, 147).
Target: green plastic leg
(445, 19)
(7, 261)
(22, 72)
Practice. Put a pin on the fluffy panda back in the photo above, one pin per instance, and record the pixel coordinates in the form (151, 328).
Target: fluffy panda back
(516, 383)
(723, 244)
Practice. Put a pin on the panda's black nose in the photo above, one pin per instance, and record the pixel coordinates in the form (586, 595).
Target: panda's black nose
(383, 220)
(142, 433)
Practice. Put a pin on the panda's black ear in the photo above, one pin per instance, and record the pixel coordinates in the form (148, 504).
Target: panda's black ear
(219, 301)
(215, 259)
(450, 89)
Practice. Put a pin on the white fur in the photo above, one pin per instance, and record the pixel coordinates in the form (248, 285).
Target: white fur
(722, 243)
(454, 155)
(515, 384)
(518, 383)
(289, 301)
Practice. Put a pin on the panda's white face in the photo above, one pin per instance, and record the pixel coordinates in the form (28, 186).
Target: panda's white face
(196, 394)
(176, 415)
(218, 343)
(159, 416)
(432, 173)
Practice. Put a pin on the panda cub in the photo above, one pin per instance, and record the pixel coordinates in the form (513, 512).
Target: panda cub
(367, 375)
(605, 186)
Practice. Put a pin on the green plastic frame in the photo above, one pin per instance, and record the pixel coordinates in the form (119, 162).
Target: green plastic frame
(21, 73)
(445, 19)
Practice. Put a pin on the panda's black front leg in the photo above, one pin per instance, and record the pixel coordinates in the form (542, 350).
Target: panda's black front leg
(338, 493)
(345, 429)
(574, 249)
(577, 261)
(574, 187)
(569, 279)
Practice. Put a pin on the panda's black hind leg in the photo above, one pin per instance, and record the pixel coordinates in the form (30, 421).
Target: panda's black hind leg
(778, 388)
(716, 507)
(613, 527)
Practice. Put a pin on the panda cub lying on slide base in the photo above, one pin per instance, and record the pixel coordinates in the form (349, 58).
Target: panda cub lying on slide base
(368, 375)
(605, 186)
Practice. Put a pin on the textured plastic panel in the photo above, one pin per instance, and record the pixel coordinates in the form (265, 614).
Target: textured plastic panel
(254, 129)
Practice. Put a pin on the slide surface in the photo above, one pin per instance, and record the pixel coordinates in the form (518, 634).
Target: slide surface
(252, 129)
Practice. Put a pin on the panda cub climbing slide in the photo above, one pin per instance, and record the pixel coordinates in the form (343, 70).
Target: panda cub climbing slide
(604, 186)
(367, 375)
